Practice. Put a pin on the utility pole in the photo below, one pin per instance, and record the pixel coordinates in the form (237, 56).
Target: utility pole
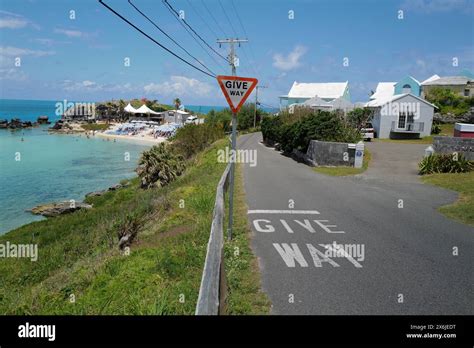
(232, 61)
(256, 103)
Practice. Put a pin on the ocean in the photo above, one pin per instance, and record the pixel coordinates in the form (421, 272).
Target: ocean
(46, 167)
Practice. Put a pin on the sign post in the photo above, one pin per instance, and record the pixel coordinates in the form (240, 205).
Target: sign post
(236, 90)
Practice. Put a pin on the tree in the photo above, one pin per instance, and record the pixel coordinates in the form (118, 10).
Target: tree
(177, 103)
(359, 117)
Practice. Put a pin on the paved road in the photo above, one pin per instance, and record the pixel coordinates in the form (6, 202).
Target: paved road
(408, 265)
(395, 162)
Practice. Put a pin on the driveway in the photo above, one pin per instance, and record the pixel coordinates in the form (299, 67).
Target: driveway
(395, 161)
(403, 262)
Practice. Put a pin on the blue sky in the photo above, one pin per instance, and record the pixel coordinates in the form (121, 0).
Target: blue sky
(83, 58)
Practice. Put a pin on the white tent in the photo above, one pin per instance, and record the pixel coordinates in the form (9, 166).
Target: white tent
(146, 110)
(129, 108)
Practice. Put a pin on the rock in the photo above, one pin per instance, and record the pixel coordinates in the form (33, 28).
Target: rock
(95, 193)
(58, 208)
(43, 120)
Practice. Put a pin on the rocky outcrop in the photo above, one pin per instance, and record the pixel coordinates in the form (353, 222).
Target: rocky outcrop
(111, 188)
(16, 123)
(58, 208)
(451, 118)
(43, 120)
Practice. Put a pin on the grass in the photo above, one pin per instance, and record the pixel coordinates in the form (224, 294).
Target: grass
(344, 171)
(463, 209)
(95, 126)
(242, 273)
(79, 256)
(446, 130)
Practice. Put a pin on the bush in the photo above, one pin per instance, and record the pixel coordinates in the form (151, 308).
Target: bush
(159, 166)
(445, 163)
(245, 117)
(448, 101)
(271, 126)
(435, 129)
(192, 138)
(321, 125)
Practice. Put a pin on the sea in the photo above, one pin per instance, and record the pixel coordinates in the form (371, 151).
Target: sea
(38, 167)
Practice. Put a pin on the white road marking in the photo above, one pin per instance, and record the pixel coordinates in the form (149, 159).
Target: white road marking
(343, 252)
(290, 254)
(302, 212)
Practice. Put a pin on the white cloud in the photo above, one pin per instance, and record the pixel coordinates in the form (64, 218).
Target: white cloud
(430, 6)
(13, 74)
(10, 51)
(179, 86)
(9, 20)
(291, 61)
(70, 33)
(86, 86)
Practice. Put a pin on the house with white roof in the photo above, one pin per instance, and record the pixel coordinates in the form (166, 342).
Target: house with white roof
(401, 116)
(462, 85)
(301, 92)
(406, 85)
(176, 116)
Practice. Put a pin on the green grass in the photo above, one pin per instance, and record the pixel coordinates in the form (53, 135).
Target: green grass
(463, 209)
(446, 130)
(344, 171)
(95, 126)
(242, 273)
(78, 253)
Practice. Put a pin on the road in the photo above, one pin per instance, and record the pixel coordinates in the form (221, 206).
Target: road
(406, 257)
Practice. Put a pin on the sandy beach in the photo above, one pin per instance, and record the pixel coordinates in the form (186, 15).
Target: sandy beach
(145, 139)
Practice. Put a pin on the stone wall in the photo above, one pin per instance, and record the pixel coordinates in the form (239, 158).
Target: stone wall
(326, 153)
(454, 144)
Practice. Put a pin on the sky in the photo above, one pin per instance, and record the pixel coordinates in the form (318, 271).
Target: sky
(78, 50)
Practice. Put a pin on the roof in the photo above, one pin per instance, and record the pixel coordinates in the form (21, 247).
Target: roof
(130, 108)
(384, 90)
(448, 81)
(146, 110)
(322, 90)
(382, 101)
(432, 78)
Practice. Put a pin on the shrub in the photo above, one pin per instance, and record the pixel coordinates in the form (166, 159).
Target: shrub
(322, 125)
(448, 101)
(127, 230)
(271, 126)
(192, 138)
(445, 163)
(159, 166)
(435, 129)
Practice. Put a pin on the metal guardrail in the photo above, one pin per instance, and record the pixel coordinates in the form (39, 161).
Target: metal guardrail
(209, 292)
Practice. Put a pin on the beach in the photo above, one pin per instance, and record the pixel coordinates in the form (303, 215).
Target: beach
(139, 138)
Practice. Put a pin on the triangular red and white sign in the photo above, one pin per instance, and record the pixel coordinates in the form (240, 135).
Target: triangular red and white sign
(236, 89)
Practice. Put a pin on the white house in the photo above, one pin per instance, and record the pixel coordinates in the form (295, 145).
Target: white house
(176, 116)
(318, 103)
(401, 115)
(326, 91)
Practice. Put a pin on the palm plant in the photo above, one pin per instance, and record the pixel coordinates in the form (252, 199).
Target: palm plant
(159, 166)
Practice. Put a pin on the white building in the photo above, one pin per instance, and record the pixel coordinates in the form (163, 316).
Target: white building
(401, 116)
(326, 91)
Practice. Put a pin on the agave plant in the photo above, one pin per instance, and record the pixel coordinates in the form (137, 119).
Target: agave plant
(445, 163)
(159, 166)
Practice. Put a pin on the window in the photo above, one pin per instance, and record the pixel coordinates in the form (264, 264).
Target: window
(402, 117)
(406, 88)
(466, 92)
(410, 118)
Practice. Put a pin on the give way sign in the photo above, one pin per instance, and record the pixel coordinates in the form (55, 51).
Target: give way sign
(236, 89)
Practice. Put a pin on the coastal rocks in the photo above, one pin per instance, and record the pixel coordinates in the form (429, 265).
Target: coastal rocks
(16, 123)
(58, 208)
(43, 120)
(111, 188)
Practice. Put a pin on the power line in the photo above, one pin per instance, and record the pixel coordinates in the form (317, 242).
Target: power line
(213, 18)
(202, 19)
(152, 39)
(171, 8)
(245, 33)
(228, 19)
(169, 37)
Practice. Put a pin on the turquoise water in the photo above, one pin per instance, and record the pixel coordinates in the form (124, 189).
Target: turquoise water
(53, 167)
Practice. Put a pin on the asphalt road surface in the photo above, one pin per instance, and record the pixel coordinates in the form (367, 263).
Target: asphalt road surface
(398, 253)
